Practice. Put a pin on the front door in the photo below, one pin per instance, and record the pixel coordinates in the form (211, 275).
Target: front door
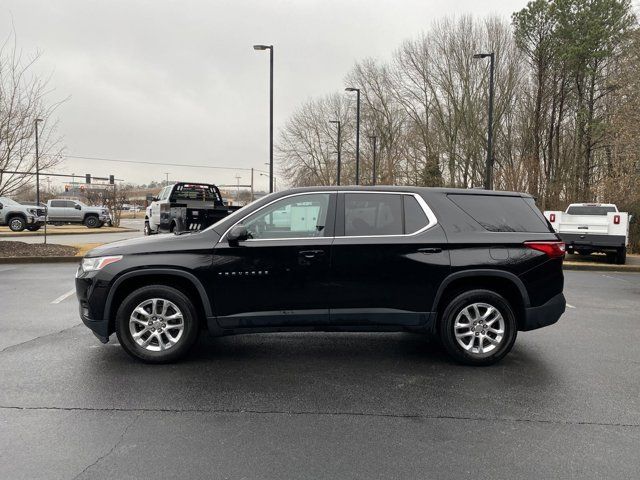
(279, 277)
(388, 259)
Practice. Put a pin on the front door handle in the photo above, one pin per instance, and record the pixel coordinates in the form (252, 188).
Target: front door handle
(311, 253)
(430, 250)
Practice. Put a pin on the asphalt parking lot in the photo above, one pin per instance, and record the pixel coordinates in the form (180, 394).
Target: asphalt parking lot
(564, 404)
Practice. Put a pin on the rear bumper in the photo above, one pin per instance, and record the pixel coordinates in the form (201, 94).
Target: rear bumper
(592, 242)
(544, 315)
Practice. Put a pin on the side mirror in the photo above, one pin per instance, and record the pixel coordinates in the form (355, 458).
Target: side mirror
(1, 206)
(237, 234)
(78, 207)
(154, 199)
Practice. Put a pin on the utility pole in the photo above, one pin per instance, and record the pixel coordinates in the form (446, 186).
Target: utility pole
(252, 184)
(488, 177)
(36, 122)
(270, 48)
(337, 122)
(238, 177)
(167, 182)
(357, 90)
(375, 141)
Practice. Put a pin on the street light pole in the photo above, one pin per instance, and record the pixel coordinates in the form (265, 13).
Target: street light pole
(488, 179)
(337, 122)
(270, 48)
(357, 90)
(36, 121)
(375, 141)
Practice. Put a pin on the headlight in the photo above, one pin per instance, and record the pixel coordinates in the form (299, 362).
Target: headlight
(98, 263)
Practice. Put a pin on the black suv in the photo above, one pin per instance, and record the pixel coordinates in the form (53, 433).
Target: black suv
(469, 266)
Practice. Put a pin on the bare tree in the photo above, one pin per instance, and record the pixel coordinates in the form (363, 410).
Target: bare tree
(23, 99)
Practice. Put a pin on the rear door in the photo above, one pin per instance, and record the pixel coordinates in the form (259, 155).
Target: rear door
(388, 259)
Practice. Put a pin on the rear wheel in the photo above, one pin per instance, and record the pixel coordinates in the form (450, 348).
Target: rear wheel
(17, 224)
(621, 256)
(478, 327)
(157, 324)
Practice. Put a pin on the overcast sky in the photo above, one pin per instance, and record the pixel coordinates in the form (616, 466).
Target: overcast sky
(179, 82)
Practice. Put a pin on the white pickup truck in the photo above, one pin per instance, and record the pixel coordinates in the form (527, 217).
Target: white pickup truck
(586, 228)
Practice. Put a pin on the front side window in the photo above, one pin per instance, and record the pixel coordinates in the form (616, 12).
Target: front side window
(300, 216)
(368, 214)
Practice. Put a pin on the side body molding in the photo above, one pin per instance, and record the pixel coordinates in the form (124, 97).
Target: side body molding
(482, 273)
(158, 271)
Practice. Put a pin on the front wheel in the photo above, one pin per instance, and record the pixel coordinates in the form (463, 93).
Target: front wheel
(17, 224)
(157, 324)
(478, 327)
(147, 229)
(92, 222)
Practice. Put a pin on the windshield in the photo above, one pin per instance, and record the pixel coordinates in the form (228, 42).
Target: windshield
(590, 210)
(8, 201)
(195, 191)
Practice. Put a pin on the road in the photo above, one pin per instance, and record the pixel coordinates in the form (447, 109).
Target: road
(564, 404)
(137, 224)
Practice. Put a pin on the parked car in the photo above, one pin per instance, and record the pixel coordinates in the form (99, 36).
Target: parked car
(185, 206)
(587, 228)
(18, 216)
(60, 211)
(471, 267)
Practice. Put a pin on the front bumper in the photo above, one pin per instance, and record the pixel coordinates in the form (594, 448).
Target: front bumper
(100, 328)
(544, 315)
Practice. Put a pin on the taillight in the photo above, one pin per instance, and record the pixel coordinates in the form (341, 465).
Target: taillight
(616, 219)
(552, 217)
(551, 249)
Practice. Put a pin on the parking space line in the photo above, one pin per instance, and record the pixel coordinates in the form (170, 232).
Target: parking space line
(570, 306)
(616, 278)
(64, 296)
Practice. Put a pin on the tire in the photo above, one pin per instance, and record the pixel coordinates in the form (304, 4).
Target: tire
(147, 228)
(153, 353)
(91, 221)
(172, 227)
(17, 224)
(621, 256)
(481, 334)
(33, 228)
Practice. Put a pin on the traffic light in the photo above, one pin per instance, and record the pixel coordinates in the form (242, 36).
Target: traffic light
(87, 178)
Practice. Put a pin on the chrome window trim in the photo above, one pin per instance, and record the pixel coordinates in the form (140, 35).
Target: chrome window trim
(427, 210)
(431, 217)
(223, 237)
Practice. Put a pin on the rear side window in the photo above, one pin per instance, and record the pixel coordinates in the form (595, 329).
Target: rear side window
(58, 203)
(414, 216)
(372, 214)
(589, 210)
(497, 213)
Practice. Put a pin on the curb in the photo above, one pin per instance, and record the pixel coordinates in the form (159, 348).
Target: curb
(93, 231)
(603, 268)
(4, 260)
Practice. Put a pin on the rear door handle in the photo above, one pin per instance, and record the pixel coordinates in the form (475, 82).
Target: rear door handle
(430, 250)
(311, 253)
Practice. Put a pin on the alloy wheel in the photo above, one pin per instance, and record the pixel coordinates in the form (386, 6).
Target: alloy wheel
(479, 328)
(156, 324)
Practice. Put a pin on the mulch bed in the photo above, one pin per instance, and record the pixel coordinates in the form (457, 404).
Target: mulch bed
(22, 249)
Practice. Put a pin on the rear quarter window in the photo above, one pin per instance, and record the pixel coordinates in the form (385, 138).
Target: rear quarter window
(498, 213)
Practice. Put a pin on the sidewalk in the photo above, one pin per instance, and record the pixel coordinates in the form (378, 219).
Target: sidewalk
(64, 230)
